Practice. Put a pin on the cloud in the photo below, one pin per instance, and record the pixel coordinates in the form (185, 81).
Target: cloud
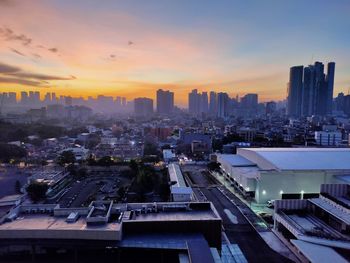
(9, 35)
(17, 52)
(53, 50)
(5, 69)
(29, 75)
(22, 81)
(13, 74)
(36, 55)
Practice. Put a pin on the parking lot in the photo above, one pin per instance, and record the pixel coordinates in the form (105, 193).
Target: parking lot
(101, 186)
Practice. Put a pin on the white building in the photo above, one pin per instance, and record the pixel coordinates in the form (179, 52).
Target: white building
(284, 173)
(180, 192)
(328, 138)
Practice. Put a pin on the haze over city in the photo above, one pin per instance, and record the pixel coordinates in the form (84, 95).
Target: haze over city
(175, 131)
(133, 48)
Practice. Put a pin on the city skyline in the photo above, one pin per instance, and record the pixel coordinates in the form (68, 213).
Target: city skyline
(133, 49)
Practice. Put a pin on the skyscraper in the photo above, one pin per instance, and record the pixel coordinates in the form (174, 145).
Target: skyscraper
(143, 107)
(213, 103)
(330, 86)
(194, 102)
(165, 101)
(222, 104)
(311, 92)
(294, 91)
(204, 106)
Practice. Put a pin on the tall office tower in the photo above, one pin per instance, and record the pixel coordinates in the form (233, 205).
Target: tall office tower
(222, 105)
(308, 91)
(143, 107)
(330, 86)
(194, 102)
(250, 101)
(24, 97)
(53, 98)
(31, 99)
(47, 98)
(12, 98)
(320, 88)
(204, 106)
(213, 103)
(123, 101)
(165, 101)
(118, 101)
(36, 98)
(68, 101)
(294, 91)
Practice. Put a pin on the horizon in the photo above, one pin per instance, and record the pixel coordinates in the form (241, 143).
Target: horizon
(131, 49)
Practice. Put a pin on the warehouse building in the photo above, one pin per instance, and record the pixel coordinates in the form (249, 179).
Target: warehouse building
(285, 173)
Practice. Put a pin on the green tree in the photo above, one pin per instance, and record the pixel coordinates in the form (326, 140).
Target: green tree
(66, 157)
(37, 191)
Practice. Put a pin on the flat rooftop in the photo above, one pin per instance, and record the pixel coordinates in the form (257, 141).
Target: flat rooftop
(176, 216)
(45, 222)
(176, 175)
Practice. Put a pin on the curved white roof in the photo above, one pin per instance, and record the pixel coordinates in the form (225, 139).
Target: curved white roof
(298, 158)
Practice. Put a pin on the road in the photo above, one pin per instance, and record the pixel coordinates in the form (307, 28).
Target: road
(236, 226)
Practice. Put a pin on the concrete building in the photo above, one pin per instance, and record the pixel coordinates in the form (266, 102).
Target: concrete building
(328, 138)
(180, 192)
(143, 107)
(165, 102)
(284, 173)
(190, 229)
(319, 228)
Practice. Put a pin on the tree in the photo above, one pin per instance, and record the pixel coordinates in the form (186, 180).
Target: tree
(212, 166)
(9, 151)
(66, 157)
(37, 191)
(105, 161)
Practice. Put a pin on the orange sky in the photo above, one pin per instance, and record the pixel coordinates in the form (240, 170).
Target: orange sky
(114, 51)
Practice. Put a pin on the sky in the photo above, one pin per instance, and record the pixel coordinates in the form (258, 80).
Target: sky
(132, 48)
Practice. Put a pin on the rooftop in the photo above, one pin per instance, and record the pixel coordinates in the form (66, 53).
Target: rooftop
(236, 160)
(298, 158)
(176, 175)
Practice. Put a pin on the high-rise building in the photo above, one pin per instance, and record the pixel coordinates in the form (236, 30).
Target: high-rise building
(24, 97)
(143, 106)
(204, 106)
(310, 91)
(194, 102)
(223, 99)
(198, 102)
(165, 101)
(294, 91)
(330, 86)
(213, 103)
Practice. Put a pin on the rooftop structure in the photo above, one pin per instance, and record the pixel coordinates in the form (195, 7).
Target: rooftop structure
(180, 192)
(115, 226)
(318, 226)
